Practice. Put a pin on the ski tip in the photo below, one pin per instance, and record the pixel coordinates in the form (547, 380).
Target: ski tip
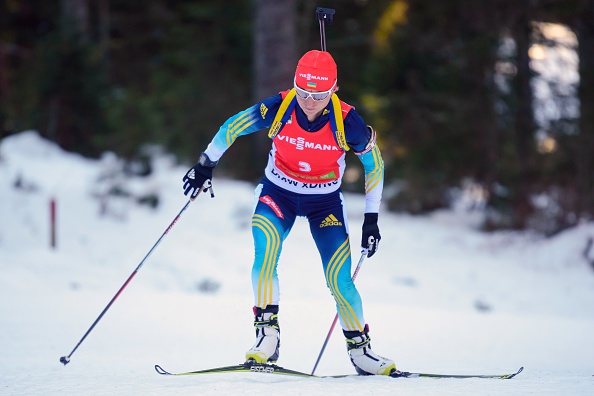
(160, 370)
(510, 376)
(406, 374)
(517, 372)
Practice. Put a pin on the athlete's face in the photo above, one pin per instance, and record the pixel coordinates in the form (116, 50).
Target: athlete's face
(313, 108)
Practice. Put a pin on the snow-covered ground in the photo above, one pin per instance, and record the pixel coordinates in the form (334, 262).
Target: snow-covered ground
(439, 296)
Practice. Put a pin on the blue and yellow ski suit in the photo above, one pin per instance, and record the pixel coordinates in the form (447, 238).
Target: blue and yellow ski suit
(302, 178)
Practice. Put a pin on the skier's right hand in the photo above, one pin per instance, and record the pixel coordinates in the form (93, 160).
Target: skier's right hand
(198, 175)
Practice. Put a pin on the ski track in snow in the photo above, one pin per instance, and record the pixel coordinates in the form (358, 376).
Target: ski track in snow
(439, 296)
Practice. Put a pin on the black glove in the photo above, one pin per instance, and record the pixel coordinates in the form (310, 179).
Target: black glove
(198, 175)
(370, 236)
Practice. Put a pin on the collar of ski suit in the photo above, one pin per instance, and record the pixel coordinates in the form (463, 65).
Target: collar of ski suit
(288, 105)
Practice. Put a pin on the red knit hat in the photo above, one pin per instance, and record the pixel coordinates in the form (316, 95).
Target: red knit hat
(316, 70)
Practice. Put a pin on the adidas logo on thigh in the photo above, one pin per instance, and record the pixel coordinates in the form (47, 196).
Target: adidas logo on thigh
(330, 221)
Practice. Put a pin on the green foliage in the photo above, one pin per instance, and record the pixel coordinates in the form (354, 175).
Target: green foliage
(198, 64)
(426, 74)
(436, 104)
(55, 82)
(444, 114)
(166, 68)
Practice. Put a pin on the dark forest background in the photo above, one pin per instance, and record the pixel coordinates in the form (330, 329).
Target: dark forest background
(491, 98)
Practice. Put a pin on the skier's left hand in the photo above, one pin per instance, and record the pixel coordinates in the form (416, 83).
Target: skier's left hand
(370, 236)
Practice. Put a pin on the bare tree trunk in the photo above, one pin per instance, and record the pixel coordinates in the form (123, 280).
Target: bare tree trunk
(585, 161)
(74, 26)
(104, 23)
(75, 19)
(305, 20)
(275, 54)
(4, 88)
(275, 46)
(524, 122)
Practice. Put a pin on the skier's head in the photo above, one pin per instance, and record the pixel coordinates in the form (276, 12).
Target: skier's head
(316, 71)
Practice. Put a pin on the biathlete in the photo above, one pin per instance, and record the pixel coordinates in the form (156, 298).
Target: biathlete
(311, 131)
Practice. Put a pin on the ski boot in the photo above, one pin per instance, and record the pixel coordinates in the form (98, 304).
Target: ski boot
(266, 348)
(366, 361)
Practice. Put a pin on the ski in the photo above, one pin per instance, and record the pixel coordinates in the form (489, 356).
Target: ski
(405, 374)
(247, 367)
(265, 368)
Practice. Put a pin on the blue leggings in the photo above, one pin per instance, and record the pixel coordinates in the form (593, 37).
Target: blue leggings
(274, 215)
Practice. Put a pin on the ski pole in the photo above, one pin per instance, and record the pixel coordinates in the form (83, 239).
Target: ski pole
(66, 359)
(323, 15)
(363, 255)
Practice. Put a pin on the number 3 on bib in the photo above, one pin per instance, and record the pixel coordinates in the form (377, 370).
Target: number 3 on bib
(304, 166)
